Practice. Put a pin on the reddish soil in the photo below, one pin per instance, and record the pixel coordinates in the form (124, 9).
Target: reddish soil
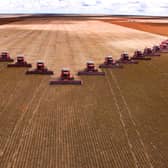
(158, 28)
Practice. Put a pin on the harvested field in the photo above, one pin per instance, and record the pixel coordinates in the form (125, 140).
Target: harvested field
(157, 26)
(119, 120)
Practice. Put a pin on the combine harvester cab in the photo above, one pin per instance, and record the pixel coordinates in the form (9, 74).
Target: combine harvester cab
(40, 70)
(110, 63)
(164, 48)
(91, 70)
(20, 63)
(5, 57)
(138, 55)
(150, 52)
(65, 79)
(125, 59)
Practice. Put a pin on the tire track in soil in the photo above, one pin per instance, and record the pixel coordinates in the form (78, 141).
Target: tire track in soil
(140, 154)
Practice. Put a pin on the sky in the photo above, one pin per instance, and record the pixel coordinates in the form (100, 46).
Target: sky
(127, 7)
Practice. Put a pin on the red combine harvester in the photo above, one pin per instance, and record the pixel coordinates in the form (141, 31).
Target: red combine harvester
(65, 79)
(150, 52)
(138, 55)
(40, 69)
(90, 70)
(125, 59)
(164, 48)
(110, 63)
(156, 49)
(5, 57)
(164, 42)
(20, 63)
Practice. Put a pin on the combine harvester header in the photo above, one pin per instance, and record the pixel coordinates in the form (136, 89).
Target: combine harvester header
(65, 79)
(110, 63)
(20, 63)
(125, 59)
(5, 57)
(40, 69)
(91, 70)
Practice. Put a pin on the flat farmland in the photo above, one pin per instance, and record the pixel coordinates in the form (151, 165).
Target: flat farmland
(119, 120)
